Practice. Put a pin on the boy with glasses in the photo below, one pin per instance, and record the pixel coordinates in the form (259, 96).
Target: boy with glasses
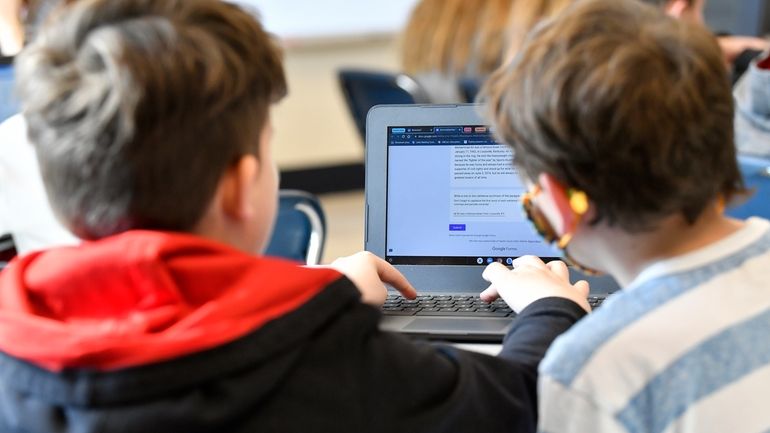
(621, 120)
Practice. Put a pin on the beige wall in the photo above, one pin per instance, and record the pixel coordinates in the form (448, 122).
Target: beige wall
(312, 125)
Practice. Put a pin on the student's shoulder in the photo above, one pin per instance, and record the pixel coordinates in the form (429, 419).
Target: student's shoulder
(582, 351)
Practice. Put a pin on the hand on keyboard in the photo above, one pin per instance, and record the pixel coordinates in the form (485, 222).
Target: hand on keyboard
(532, 279)
(368, 272)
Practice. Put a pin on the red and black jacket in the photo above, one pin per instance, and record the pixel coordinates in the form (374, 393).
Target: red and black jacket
(159, 332)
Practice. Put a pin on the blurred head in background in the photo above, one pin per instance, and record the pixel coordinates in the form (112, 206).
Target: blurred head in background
(737, 50)
(451, 46)
(456, 37)
(525, 15)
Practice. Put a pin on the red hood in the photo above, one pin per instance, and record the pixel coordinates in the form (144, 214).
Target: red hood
(142, 297)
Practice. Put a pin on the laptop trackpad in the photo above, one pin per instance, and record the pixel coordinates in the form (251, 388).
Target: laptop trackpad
(434, 325)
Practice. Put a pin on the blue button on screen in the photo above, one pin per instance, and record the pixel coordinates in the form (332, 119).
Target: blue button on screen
(456, 227)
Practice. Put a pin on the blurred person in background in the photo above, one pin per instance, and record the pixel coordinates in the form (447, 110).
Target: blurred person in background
(737, 50)
(743, 55)
(752, 109)
(451, 46)
(447, 41)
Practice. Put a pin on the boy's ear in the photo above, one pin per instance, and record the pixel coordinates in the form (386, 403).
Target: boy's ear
(237, 185)
(555, 204)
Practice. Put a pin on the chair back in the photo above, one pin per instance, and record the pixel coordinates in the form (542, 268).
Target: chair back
(365, 89)
(756, 175)
(470, 88)
(300, 228)
(8, 103)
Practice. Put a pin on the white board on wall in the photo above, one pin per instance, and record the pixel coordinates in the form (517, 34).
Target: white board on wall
(323, 19)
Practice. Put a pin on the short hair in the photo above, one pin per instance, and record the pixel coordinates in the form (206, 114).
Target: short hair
(620, 101)
(137, 107)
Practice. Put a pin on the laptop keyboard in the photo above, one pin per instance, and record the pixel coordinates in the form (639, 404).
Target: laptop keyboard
(454, 305)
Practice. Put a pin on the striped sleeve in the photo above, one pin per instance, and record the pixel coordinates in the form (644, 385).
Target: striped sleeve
(566, 410)
(685, 352)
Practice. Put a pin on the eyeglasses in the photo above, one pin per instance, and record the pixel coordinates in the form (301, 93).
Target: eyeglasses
(578, 203)
(537, 218)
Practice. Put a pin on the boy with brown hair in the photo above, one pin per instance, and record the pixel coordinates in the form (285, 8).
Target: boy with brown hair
(151, 123)
(621, 120)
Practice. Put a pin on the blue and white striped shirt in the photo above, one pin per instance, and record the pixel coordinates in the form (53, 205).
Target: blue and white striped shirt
(685, 349)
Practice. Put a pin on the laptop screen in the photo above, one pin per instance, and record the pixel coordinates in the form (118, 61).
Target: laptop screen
(454, 197)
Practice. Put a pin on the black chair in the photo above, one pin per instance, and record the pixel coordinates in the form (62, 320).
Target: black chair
(365, 89)
(299, 234)
(756, 175)
(300, 228)
(469, 88)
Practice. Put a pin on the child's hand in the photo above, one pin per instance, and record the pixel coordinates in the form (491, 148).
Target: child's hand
(530, 280)
(733, 46)
(11, 32)
(368, 272)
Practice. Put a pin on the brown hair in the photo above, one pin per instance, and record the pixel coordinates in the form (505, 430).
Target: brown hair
(632, 107)
(137, 107)
(525, 15)
(456, 37)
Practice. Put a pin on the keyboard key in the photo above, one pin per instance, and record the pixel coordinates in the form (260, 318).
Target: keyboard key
(458, 305)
